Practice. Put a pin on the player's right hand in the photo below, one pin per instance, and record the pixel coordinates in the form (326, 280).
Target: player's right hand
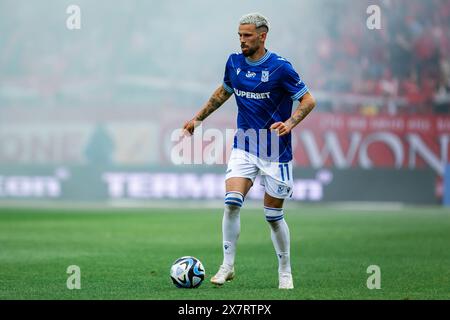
(189, 126)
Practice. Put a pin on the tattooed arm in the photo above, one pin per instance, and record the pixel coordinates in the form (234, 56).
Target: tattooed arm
(217, 99)
(307, 103)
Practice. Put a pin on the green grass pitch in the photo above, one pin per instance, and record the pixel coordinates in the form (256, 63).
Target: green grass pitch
(127, 253)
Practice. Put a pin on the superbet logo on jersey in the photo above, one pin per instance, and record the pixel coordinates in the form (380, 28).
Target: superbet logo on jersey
(252, 95)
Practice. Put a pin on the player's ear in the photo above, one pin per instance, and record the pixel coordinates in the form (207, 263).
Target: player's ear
(263, 35)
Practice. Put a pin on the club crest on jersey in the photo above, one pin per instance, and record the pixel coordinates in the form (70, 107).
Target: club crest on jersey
(250, 74)
(237, 71)
(265, 76)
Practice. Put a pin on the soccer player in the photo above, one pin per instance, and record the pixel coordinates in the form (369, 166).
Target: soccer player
(265, 86)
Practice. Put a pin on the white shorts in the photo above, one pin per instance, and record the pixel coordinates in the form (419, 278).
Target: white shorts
(276, 177)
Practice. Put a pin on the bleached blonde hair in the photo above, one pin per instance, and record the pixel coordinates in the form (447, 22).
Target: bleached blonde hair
(255, 18)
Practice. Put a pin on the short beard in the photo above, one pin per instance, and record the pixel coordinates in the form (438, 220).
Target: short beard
(250, 52)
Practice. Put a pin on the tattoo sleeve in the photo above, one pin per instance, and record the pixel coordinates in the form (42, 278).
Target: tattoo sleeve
(304, 108)
(217, 99)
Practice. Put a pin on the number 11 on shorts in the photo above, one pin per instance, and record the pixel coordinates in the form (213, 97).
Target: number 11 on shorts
(282, 167)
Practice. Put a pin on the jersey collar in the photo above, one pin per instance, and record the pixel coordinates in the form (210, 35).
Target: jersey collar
(260, 61)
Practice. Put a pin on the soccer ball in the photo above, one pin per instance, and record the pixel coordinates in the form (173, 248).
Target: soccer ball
(187, 272)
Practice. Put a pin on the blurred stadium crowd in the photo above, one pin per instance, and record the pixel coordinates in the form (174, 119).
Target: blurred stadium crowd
(133, 56)
(408, 58)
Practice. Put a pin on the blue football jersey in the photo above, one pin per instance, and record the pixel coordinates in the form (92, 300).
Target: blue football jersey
(264, 92)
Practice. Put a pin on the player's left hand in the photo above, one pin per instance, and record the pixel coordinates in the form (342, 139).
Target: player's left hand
(281, 128)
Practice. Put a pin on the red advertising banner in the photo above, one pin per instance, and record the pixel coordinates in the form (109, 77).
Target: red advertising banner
(346, 141)
(143, 137)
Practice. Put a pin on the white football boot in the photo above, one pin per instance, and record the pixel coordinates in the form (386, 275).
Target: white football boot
(224, 274)
(285, 280)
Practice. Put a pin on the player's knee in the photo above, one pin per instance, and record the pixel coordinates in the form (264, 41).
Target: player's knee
(234, 200)
(271, 202)
(273, 215)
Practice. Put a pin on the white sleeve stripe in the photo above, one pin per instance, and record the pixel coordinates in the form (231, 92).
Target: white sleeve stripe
(228, 88)
(300, 94)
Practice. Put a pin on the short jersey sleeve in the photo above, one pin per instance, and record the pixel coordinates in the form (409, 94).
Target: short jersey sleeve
(226, 78)
(292, 82)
